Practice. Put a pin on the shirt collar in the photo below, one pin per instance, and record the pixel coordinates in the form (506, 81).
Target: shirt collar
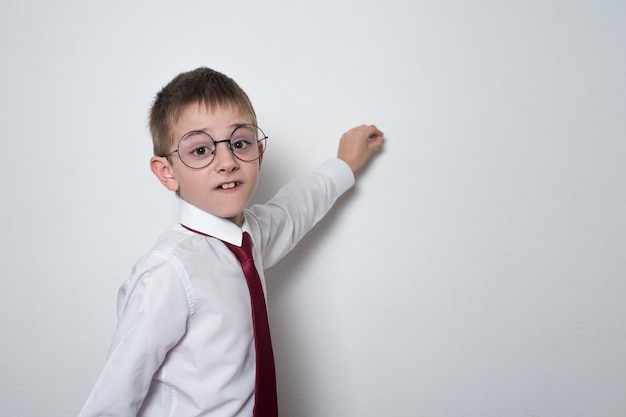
(209, 224)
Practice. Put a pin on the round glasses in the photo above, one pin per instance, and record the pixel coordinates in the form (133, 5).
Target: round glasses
(197, 148)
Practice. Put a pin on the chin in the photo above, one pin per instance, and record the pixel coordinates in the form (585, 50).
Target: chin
(235, 216)
(238, 220)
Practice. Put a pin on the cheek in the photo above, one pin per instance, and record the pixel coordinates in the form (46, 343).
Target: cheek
(189, 183)
(257, 170)
(254, 174)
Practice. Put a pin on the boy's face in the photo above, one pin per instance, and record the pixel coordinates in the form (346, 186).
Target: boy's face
(211, 188)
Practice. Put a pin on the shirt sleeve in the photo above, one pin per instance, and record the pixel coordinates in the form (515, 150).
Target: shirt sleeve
(153, 309)
(297, 207)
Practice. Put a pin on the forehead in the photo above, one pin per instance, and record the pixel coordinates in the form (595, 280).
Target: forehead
(215, 119)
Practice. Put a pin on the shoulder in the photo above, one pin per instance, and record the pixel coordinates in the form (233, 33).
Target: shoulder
(174, 238)
(175, 243)
(163, 266)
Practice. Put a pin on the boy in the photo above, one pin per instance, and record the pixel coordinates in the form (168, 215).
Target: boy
(192, 337)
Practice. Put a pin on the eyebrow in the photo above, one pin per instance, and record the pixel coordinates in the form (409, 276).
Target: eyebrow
(231, 127)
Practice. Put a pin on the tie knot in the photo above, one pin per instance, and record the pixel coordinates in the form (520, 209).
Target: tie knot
(243, 253)
(247, 244)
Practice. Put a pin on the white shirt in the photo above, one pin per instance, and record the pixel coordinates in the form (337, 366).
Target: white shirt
(184, 344)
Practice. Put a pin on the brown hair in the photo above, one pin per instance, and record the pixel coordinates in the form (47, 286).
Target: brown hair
(201, 86)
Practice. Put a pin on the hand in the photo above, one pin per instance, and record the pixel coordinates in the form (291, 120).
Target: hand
(357, 145)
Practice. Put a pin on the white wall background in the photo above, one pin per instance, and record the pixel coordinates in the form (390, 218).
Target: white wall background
(477, 269)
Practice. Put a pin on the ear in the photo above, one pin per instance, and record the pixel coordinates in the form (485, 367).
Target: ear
(261, 157)
(162, 169)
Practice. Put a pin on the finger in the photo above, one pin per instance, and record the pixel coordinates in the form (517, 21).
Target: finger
(375, 140)
(375, 130)
(375, 144)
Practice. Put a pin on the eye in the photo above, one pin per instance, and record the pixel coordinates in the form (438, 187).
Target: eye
(200, 151)
(240, 144)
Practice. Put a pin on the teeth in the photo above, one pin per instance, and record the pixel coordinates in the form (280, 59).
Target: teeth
(229, 185)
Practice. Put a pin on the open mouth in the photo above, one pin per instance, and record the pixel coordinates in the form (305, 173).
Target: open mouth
(228, 185)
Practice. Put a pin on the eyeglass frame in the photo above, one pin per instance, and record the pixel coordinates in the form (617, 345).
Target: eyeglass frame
(216, 142)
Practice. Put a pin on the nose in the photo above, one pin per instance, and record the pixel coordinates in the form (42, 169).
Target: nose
(224, 160)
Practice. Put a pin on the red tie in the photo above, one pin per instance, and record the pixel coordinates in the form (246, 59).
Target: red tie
(265, 403)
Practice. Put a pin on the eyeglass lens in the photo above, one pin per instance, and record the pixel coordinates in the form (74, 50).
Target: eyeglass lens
(197, 149)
